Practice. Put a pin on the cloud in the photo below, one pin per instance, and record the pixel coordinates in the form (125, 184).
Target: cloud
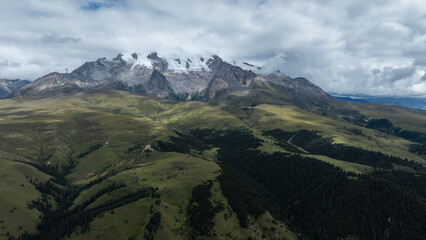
(335, 44)
(423, 77)
(390, 75)
(56, 40)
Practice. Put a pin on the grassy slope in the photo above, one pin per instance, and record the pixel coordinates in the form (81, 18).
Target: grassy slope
(347, 166)
(174, 174)
(401, 116)
(15, 193)
(51, 130)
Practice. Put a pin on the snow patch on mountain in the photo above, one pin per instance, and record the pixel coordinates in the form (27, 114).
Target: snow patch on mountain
(178, 64)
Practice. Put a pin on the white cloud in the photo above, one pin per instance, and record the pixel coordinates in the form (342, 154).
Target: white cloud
(335, 44)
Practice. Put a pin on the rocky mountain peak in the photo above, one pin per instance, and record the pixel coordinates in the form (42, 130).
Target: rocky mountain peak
(119, 57)
(159, 64)
(233, 75)
(158, 85)
(214, 62)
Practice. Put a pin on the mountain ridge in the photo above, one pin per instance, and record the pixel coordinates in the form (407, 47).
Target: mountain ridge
(166, 78)
(9, 86)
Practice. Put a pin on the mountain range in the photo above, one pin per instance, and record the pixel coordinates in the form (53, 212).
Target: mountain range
(195, 78)
(183, 79)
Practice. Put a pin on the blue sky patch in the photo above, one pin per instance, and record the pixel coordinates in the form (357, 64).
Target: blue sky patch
(93, 6)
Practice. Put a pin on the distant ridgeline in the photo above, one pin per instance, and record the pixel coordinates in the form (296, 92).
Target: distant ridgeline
(415, 103)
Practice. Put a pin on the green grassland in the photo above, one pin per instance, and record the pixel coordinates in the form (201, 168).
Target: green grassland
(173, 174)
(15, 192)
(52, 131)
(401, 116)
(346, 166)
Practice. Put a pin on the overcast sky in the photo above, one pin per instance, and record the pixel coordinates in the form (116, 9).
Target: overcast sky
(348, 47)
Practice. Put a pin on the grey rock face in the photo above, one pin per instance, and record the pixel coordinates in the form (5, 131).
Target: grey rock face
(232, 75)
(102, 69)
(159, 64)
(116, 73)
(9, 87)
(297, 85)
(159, 86)
(216, 85)
(49, 82)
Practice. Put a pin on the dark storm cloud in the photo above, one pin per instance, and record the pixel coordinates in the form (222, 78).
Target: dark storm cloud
(355, 46)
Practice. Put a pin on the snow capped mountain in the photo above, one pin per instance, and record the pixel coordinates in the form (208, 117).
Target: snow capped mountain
(162, 63)
(185, 78)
